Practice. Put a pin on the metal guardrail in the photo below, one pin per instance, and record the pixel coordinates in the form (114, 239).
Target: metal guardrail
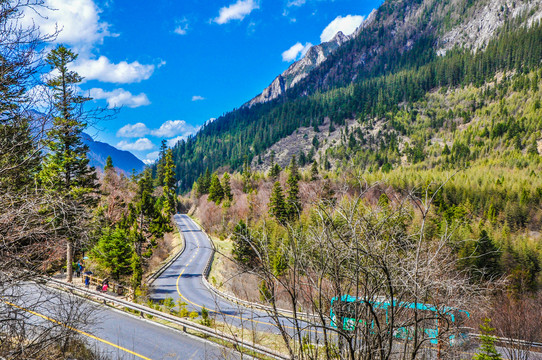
(184, 324)
(168, 263)
(502, 340)
(232, 339)
(245, 303)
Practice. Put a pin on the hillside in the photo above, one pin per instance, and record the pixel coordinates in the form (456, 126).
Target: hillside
(391, 61)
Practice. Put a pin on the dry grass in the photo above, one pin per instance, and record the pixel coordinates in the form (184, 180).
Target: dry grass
(166, 248)
(227, 277)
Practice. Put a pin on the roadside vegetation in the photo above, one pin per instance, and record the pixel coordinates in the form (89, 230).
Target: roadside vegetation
(56, 210)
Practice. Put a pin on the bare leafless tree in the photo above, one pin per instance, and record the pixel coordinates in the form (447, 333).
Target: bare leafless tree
(34, 322)
(517, 319)
(378, 255)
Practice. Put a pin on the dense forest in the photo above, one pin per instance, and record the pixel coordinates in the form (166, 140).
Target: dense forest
(406, 78)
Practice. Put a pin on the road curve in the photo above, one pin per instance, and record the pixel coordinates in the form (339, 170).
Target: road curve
(111, 332)
(184, 280)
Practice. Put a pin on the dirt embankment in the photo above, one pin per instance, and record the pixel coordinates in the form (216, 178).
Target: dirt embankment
(167, 247)
(227, 277)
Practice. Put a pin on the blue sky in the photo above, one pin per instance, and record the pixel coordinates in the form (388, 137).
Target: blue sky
(173, 65)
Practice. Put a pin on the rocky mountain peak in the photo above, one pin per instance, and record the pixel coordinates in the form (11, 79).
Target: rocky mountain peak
(340, 38)
(300, 69)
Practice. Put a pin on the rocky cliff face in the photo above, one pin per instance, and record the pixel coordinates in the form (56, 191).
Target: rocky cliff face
(299, 69)
(484, 20)
(397, 26)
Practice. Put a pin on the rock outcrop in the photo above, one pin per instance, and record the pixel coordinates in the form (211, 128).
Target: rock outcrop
(300, 69)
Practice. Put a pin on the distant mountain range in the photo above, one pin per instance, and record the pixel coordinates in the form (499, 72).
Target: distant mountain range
(99, 151)
(122, 160)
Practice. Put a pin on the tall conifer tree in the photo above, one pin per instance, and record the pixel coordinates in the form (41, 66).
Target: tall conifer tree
(169, 183)
(226, 186)
(277, 205)
(160, 166)
(65, 171)
(108, 163)
(293, 204)
(216, 193)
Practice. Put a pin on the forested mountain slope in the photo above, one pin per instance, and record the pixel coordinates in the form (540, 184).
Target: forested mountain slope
(409, 49)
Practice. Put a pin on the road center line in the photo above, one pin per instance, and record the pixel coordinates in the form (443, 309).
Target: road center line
(77, 330)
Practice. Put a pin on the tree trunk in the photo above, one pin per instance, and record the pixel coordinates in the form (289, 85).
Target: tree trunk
(69, 260)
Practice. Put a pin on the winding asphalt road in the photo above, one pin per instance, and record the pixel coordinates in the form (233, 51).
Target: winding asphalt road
(110, 332)
(184, 280)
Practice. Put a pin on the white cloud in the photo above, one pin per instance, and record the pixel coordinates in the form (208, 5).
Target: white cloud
(236, 11)
(77, 21)
(173, 128)
(77, 24)
(296, 3)
(181, 27)
(174, 141)
(140, 145)
(296, 51)
(151, 157)
(120, 97)
(104, 70)
(347, 25)
(132, 131)
(197, 98)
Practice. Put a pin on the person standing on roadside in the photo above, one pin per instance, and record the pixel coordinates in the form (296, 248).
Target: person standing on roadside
(79, 268)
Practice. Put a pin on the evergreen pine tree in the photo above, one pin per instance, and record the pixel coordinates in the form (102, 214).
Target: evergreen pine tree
(247, 177)
(207, 180)
(272, 166)
(243, 252)
(142, 209)
(226, 186)
(160, 165)
(169, 203)
(216, 193)
(292, 201)
(534, 83)
(204, 182)
(487, 348)
(200, 185)
(108, 163)
(274, 172)
(114, 252)
(314, 171)
(487, 255)
(65, 170)
(277, 205)
(533, 148)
